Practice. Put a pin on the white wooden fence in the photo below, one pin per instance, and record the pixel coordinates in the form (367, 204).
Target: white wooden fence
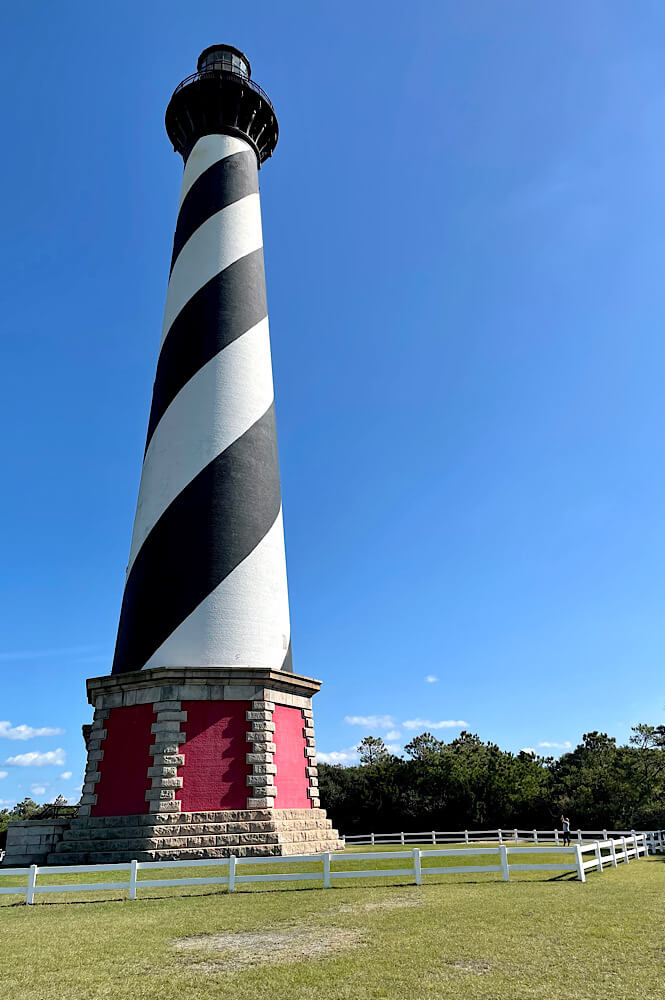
(500, 835)
(605, 852)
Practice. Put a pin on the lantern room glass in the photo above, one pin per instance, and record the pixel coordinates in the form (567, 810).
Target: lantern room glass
(226, 60)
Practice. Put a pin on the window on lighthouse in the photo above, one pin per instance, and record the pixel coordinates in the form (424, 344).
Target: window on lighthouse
(228, 61)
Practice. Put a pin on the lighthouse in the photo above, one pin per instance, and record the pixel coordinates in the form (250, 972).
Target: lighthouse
(206, 581)
(202, 740)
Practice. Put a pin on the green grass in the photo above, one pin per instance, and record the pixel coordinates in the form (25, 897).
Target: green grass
(541, 936)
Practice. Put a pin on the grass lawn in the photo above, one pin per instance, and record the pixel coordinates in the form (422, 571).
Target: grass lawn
(541, 935)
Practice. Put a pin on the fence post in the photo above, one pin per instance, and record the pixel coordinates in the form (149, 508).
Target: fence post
(604, 834)
(416, 866)
(556, 837)
(500, 832)
(326, 870)
(515, 836)
(599, 857)
(613, 853)
(579, 836)
(581, 875)
(505, 871)
(133, 867)
(624, 844)
(535, 837)
(434, 836)
(466, 836)
(30, 891)
(232, 873)
(371, 837)
(401, 838)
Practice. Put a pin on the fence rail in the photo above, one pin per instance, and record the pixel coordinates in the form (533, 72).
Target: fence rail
(506, 835)
(605, 852)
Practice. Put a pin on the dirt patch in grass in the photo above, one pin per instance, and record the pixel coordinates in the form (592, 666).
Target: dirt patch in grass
(397, 903)
(244, 950)
(476, 966)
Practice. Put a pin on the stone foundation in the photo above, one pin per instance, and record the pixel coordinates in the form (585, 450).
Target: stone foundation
(30, 842)
(189, 762)
(196, 836)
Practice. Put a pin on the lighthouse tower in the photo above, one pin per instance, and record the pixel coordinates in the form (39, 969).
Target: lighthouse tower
(202, 743)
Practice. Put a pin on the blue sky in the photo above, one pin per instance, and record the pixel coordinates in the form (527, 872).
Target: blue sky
(464, 227)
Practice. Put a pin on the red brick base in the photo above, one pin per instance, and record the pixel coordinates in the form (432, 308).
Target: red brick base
(179, 741)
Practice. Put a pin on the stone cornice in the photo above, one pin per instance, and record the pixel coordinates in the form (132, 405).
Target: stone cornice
(276, 680)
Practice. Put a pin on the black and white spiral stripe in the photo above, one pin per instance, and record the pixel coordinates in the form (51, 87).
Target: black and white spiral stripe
(206, 580)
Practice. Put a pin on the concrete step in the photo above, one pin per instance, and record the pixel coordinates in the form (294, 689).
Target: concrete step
(195, 836)
(157, 843)
(82, 832)
(195, 853)
(216, 816)
(170, 830)
(145, 842)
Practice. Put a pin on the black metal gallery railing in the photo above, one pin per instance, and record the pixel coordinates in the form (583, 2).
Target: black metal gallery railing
(222, 74)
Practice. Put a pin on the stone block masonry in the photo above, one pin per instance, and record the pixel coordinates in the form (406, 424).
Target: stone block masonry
(30, 842)
(196, 836)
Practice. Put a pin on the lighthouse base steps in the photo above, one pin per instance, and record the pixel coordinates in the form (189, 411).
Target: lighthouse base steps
(196, 836)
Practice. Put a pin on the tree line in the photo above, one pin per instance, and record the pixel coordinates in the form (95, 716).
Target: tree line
(469, 784)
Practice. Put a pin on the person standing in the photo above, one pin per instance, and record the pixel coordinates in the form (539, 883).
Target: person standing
(565, 823)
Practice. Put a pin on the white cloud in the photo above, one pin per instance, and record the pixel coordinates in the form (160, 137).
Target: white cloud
(3, 774)
(394, 747)
(431, 679)
(427, 724)
(37, 789)
(566, 745)
(66, 775)
(9, 732)
(393, 734)
(35, 759)
(348, 756)
(371, 721)
(528, 750)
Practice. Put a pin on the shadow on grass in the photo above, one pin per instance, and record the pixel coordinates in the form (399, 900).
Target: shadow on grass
(563, 877)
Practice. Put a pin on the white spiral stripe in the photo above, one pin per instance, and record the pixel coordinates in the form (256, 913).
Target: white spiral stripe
(222, 239)
(208, 151)
(218, 404)
(244, 621)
